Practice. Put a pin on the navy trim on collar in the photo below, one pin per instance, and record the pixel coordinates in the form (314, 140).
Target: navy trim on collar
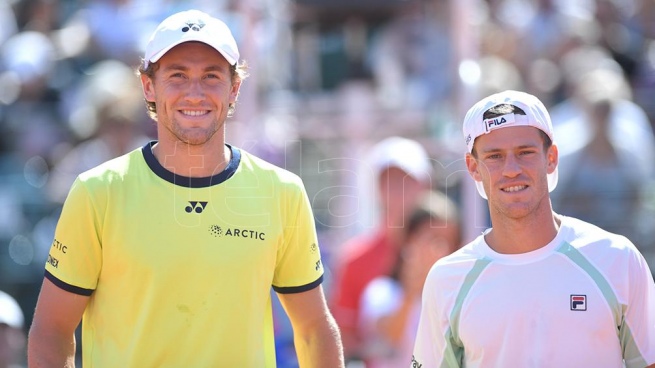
(188, 182)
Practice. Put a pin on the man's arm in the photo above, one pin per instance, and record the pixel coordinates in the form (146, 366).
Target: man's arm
(51, 341)
(316, 335)
(343, 306)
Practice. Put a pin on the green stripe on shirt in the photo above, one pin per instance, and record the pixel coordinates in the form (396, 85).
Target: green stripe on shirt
(454, 349)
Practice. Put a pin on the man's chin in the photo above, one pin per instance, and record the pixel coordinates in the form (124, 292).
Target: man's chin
(195, 138)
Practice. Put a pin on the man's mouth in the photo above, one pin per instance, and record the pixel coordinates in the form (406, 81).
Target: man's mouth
(194, 112)
(516, 188)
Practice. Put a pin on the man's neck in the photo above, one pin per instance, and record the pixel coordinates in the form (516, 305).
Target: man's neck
(515, 236)
(194, 161)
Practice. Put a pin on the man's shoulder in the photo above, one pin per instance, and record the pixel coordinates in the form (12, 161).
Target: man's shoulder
(460, 261)
(468, 254)
(451, 271)
(580, 233)
(597, 243)
(259, 166)
(111, 169)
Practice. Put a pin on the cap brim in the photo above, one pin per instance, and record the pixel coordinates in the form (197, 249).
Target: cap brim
(163, 51)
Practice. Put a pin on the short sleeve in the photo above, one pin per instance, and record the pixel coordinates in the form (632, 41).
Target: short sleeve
(75, 257)
(299, 267)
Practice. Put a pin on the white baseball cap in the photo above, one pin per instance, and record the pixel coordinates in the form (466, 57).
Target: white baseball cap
(10, 312)
(403, 153)
(536, 116)
(191, 25)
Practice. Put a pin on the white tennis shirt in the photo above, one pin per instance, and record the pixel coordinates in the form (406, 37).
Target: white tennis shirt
(587, 299)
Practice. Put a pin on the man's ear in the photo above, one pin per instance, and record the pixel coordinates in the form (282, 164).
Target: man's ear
(234, 91)
(148, 88)
(553, 158)
(473, 167)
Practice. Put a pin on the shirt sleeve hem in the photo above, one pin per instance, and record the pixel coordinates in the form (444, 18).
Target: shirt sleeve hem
(298, 289)
(68, 287)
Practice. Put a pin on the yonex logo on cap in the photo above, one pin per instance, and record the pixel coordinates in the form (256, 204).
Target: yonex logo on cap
(193, 26)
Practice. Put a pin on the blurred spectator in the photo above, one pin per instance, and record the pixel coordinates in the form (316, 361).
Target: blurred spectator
(108, 118)
(391, 304)
(408, 59)
(403, 172)
(12, 336)
(496, 74)
(30, 126)
(643, 81)
(620, 32)
(31, 123)
(610, 169)
(114, 29)
(8, 25)
(38, 15)
(590, 76)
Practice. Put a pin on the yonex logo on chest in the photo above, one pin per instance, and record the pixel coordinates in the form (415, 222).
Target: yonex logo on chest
(196, 206)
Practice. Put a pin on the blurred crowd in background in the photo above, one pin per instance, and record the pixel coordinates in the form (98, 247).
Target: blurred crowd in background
(329, 80)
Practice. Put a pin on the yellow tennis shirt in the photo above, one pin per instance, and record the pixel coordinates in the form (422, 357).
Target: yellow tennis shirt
(178, 269)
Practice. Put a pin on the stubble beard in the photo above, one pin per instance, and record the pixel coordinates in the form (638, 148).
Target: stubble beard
(522, 210)
(194, 136)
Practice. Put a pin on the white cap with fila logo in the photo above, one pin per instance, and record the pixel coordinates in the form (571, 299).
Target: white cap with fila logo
(191, 25)
(536, 116)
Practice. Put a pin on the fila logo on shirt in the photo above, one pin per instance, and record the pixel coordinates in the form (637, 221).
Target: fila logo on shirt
(196, 207)
(578, 302)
